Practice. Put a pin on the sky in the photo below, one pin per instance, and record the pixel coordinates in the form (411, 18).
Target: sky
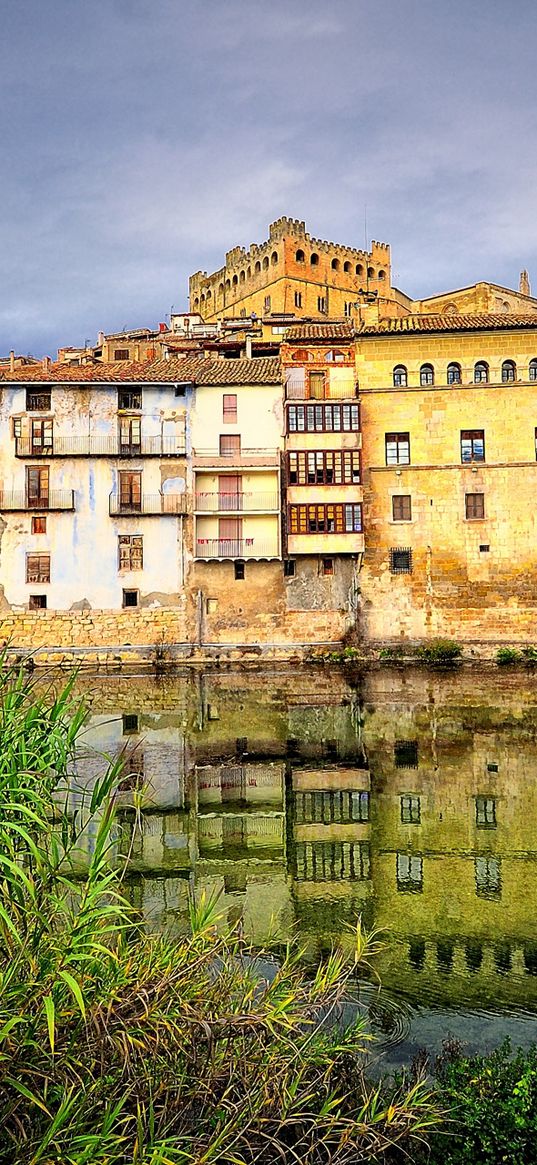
(141, 139)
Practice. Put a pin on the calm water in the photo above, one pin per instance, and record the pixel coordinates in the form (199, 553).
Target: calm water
(305, 799)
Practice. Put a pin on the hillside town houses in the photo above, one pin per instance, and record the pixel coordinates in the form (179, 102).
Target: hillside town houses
(305, 458)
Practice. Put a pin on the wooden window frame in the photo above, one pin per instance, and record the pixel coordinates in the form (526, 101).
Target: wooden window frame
(229, 408)
(323, 417)
(39, 520)
(395, 445)
(130, 551)
(325, 518)
(324, 467)
(233, 443)
(38, 400)
(471, 438)
(399, 501)
(474, 509)
(37, 568)
(129, 400)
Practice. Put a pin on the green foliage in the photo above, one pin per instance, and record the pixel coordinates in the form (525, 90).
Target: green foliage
(530, 655)
(506, 656)
(492, 1104)
(441, 651)
(122, 1048)
(347, 655)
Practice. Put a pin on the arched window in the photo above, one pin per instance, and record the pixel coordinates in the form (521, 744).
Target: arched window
(274, 258)
(370, 272)
(382, 274)
(302, 355)
(202, 298)
(335, 355)
(508, 372)
(257, 268)
(335, 264)
(300, 257)
(196, 302)
(235, 280)
(346, 266)
(220, 288)
(449, 309)
(209, 294)
(249, 273)
(533, 369)
(314, 259)
(400, 376)
(265, 263)
(481, 372)
(426, 374)
(242, 276)
(359, 269)
(228, 284)
(454, 374)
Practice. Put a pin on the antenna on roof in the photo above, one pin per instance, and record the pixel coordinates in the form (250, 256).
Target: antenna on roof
(365, 226)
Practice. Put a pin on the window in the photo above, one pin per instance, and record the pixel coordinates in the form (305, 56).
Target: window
(481, 372)
(533, 370)
(37, 603)
(410, 809)
(130, 598)
(426, 374)
(289, 568)
(475, 506)
(347, 307)
(346, 266)
(130, 723)
(229, 408)
(37, 488)
(39, 525)
(397, 448)
(493, 767)
(298, 299)
(335, 356)
(400, 560)
(267, 303)
(300, 257)
(316, 385)
(472, 445)
(130, 492)
(129, 399)
(130, 435)
(38, 568)
(402, 508)
(314, 260)
(484, 549)
(230, 444)
(121, 354)
(17, 428)
(335, 264)
(327, 807)
(326, 519)
(485, 812)
(239, 571)
(340, 467)
(508, 372)
(325, 418)
(321, 303)
(405, 754)
(409, 869)
(38, 402)
(41, 437)
(488, 883)
(274, 258)
(454, 374)
(130, 552)
(327, 566)
(400, 378)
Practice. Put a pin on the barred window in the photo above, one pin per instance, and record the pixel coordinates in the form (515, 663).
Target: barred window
(400, 560)
(340, 467)
(475, 506)
(323, 418)
(38, 568)
(402, 508)
(397, 448)
(326, 519)
(405, 754)
(38, 402)
(130, 551)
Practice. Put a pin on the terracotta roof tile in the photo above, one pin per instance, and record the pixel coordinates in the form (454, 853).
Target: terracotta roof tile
(446, 323)
(320, 331)
(198, 369)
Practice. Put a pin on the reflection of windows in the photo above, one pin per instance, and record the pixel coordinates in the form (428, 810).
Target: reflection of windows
(488, 877)
(405, 754)
(473, 954)
(409, 872)
(331, 861)
(416, 953)
(130, 723)
(502, 958)
(410, 809)
(339, 806)
(444, 955)
(485, 812)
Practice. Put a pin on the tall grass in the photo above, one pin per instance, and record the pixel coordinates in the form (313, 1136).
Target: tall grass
(117, 1046)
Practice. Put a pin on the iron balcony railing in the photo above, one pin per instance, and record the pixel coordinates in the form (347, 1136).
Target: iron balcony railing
(244, 457)
(235, 548)
(55, 499)
(243, 501)
(94, 445)
(348, 390)
(148, 504)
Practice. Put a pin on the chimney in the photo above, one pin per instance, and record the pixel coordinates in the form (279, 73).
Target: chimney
(46, 363)
(524, 283)
(137, 353)
(248, 347)
(12, 360)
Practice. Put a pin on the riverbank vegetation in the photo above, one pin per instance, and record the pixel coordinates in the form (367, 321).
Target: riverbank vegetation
(117, 1046)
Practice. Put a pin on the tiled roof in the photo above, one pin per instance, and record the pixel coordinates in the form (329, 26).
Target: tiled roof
(198, 369)
(446, 323)
(320, 331)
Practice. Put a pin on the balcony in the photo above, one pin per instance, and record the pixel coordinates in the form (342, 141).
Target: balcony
(148, 505)
(94, 445)
(248, 502)
(243, 458)
(55, 499)
(221, 548)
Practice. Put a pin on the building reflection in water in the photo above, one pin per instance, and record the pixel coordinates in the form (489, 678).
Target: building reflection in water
(304, 802)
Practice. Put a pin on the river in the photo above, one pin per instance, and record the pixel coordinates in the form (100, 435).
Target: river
(305, 798)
